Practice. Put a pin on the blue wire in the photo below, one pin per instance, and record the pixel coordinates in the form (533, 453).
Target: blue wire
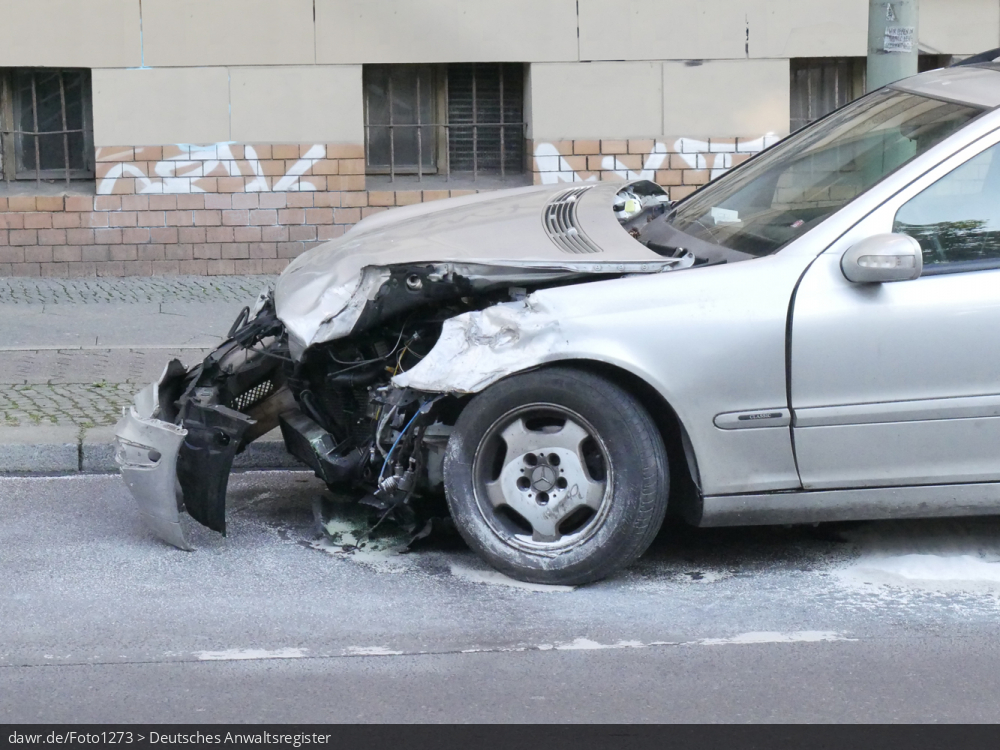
(398, 438)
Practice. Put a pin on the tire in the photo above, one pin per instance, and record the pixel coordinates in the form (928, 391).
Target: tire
(536, 508)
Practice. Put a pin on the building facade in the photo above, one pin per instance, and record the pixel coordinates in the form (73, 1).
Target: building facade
(144, 137)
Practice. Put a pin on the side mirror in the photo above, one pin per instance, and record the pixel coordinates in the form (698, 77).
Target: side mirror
(883, 257)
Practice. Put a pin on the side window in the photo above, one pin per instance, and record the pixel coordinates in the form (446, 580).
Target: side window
(957, 219)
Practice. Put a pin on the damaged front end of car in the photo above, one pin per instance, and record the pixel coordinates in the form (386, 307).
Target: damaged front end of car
(339, 355)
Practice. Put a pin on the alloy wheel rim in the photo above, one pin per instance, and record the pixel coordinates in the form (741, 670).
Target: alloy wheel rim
(542, 478)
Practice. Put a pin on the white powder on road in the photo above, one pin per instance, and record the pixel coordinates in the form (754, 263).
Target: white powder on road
(495, 578)
(371, 651)
(240, 654)
(801, 636)
(585, 644)
(956, 555)
(935, 568)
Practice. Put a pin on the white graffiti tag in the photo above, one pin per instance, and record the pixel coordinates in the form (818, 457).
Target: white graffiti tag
(182, 171)
(717, 157)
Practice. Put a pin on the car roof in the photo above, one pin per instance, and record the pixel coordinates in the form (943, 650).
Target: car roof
(978, 85)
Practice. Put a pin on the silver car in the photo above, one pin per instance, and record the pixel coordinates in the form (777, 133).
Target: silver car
(813, 337)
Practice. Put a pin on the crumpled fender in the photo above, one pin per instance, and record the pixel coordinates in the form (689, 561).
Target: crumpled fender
(476, 349)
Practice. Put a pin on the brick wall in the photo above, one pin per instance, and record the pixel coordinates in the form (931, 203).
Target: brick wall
(247, 209)
(681, 165)
(213, 209)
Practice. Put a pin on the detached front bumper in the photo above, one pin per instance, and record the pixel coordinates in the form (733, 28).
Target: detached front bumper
(175, 445)
(177, 460)
(146, 450)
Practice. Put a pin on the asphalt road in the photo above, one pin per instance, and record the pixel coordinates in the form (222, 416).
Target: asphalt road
(100, 622)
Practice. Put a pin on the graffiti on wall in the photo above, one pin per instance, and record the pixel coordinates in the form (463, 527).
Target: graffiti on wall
(716, 157)
(184, 169)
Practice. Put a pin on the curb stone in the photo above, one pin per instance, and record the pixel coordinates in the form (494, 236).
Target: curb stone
(97, 450)
(68, 450)
(40, 449)
(267, 452)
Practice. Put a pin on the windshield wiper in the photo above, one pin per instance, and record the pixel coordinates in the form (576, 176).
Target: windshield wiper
(669, 251)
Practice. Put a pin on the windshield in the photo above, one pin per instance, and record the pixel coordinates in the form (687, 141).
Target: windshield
(756, 209)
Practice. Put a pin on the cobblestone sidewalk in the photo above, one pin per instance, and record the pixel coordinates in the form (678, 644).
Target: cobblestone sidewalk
(131, 289)
(94, 402)
(75, 404)
(60, 391)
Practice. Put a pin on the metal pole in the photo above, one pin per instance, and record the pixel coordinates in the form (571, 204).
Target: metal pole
(892, 41)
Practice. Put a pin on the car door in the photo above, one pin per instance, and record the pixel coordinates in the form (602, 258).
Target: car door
(898, 383)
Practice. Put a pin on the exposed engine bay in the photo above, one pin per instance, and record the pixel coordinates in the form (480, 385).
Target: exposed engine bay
(332, 376)
(336, 408)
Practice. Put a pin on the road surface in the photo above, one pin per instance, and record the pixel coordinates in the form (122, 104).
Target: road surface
(874, 622)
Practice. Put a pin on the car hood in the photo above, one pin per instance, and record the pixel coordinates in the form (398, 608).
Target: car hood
(481, 241)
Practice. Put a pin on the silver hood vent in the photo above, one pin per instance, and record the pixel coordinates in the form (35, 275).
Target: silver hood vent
(560, 221)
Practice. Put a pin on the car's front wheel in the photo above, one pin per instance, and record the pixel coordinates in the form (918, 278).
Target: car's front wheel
(557, 476)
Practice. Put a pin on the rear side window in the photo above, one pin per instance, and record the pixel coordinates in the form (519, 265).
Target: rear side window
(957, 219)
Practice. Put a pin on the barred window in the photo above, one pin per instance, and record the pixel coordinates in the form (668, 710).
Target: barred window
(46, 124)
(823, 84)
(454, 120)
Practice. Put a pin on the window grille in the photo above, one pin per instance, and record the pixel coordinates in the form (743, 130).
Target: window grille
(821, 85)
(46, 124)
(457, 119)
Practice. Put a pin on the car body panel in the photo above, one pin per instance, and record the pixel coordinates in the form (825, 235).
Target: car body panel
(483, 235)
(685, 333)
(966, 84)
(896, 383)
(857, 504)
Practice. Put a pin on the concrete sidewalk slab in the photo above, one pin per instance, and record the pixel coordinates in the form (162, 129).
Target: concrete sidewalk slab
(131, 311)
(43, 449)
(139, 366)
(158, 324)
(73, 352)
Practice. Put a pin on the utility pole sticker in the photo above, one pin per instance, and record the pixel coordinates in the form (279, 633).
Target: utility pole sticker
(898, 39)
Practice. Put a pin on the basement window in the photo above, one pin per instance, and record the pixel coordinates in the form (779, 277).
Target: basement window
(822, 84)
(456, 121)
(46, 125)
